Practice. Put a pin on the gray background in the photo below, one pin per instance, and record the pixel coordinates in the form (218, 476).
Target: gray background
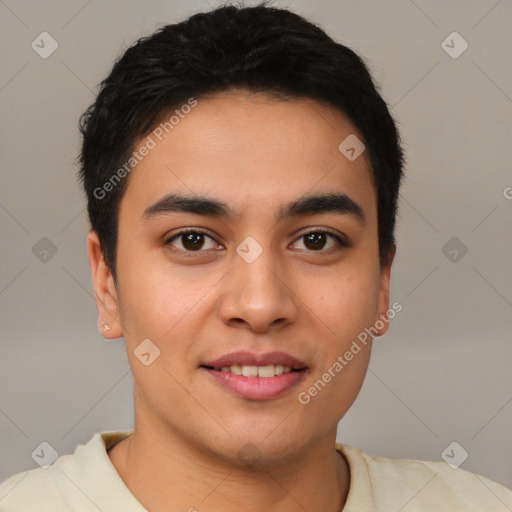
(441, 374)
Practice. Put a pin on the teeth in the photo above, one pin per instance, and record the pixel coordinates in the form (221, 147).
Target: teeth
(237, 370)
(250, 371)
(256, 371)
(266, 371)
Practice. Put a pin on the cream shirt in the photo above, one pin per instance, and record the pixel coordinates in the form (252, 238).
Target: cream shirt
(86, 481)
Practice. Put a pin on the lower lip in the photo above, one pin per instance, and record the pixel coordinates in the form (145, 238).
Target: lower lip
(257, 388)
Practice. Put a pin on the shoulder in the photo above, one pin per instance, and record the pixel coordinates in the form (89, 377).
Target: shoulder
(70, 483)
(422, 485)
(32, 488)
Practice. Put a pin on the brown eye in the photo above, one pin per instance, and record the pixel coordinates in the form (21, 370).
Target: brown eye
(191, 241)
(317, 240)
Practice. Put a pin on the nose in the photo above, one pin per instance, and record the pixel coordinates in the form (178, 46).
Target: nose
(258, 295)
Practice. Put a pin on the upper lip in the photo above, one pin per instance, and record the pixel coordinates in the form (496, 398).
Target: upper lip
(245, 358)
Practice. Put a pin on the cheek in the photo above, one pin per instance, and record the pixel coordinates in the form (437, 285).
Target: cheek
(342, 304)
(160, 310)
(163, 307)
(156, 299)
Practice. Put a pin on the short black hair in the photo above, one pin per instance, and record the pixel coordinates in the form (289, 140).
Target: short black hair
(260, 49)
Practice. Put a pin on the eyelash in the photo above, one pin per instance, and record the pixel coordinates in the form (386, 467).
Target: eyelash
(339, 240)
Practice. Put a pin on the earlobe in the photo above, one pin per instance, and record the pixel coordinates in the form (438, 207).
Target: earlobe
(105, 292)
(382, 320)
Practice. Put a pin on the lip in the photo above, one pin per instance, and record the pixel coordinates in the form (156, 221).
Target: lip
(256, 388)
(245, 358)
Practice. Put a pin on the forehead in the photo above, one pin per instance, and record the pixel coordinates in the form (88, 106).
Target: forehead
(250, 150)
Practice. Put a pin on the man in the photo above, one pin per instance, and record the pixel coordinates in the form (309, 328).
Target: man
(242, 175)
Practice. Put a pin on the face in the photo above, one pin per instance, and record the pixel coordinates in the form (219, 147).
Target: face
(255, 286)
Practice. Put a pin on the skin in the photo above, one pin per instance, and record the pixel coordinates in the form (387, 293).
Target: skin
(255, 154)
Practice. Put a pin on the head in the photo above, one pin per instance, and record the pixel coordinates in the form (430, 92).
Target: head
(267, 141)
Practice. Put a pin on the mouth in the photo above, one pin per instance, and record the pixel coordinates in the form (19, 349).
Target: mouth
(245, 359)
(264, 372)
(256, 377)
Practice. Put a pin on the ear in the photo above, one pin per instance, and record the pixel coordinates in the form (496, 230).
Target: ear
(105, 291)
(383, 300)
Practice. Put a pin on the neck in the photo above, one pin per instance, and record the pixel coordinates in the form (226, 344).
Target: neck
(166, 473)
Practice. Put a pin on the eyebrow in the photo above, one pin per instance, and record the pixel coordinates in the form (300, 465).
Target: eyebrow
(310, 204)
